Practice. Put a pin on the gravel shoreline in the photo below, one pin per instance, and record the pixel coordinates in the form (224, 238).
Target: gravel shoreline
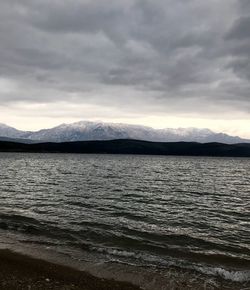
(18, 271)
(22, 272)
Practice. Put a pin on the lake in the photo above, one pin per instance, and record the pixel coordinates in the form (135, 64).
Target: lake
(143, 211)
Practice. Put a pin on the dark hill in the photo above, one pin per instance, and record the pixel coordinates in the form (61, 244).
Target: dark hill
(132, 147)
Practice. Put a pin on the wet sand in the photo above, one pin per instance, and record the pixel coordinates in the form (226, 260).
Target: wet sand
(18, 271)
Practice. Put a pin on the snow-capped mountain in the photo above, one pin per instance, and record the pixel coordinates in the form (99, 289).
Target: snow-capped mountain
(10, 132)
(85, 130)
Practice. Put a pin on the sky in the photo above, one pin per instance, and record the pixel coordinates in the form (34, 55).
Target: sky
(160, 63)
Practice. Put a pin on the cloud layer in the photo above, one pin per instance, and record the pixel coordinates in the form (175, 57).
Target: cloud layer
(131, 57)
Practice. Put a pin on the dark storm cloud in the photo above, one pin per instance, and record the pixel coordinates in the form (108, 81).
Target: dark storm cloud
(240, 29)
(238, 38)
(158, 52)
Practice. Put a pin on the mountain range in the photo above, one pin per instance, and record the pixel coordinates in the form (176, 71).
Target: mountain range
(86, 130)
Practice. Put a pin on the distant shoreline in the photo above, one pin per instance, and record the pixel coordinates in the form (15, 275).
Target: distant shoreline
(130, 146)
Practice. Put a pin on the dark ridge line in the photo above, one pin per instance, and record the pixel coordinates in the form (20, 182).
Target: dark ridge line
(130, 146)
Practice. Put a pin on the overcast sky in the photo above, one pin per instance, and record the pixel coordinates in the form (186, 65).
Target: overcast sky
(162, 63)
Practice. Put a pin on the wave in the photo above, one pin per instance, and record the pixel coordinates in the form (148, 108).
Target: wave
(132, 246)
(154, 261)
(232, 275)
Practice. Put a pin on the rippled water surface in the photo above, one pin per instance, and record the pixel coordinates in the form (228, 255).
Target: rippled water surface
(142, 210)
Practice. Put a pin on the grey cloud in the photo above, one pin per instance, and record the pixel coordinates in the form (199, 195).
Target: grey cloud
(161, 53)
(76, 17)
(240, 29)
(238, 44)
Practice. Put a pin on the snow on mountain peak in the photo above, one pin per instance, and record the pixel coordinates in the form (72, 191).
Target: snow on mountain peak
(98, 130)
